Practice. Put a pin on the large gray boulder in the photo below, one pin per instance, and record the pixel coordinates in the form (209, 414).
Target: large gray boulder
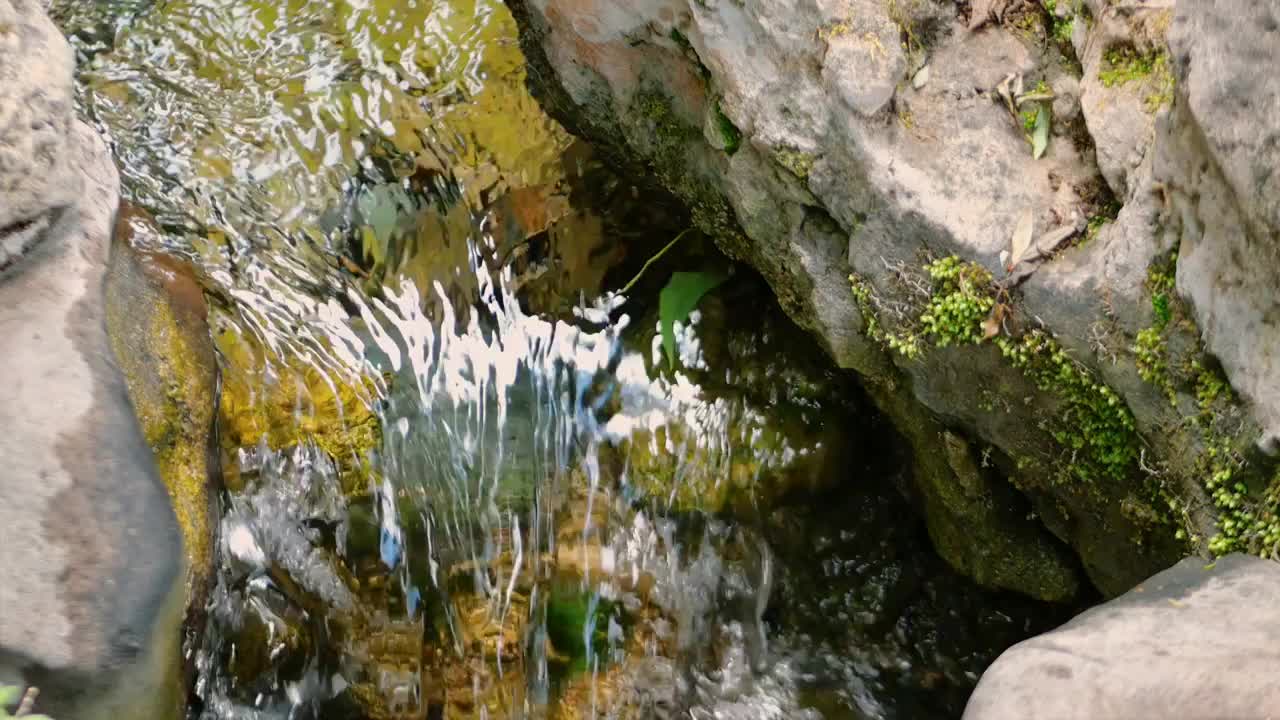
(1195, 641)
(91, 582)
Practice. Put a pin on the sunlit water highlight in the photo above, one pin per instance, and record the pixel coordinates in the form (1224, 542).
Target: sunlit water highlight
(460, 480)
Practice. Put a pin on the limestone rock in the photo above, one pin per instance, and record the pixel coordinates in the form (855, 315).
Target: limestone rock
(37, 115)
(90, 556)
(1217, 161)
(1119, 103)
(1194, 641)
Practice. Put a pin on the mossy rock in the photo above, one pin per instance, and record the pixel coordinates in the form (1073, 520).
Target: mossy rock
(156, 319)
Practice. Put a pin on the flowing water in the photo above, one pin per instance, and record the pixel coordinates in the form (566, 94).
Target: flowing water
(460, 477)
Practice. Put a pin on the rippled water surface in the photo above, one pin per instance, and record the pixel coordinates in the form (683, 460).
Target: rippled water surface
(460, 478)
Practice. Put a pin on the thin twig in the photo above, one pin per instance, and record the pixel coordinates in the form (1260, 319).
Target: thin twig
(28, 701)
(652, 260)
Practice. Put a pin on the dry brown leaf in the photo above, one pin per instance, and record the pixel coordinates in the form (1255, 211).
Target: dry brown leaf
(995, 320)
(1021, 239)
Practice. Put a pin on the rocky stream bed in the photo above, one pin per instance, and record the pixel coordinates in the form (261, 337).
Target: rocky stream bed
(346, 379)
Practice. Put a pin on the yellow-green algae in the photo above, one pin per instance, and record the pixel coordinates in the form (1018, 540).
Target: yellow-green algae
(282, 402)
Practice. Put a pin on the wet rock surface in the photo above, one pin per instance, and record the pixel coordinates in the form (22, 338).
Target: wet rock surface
(1196, 640)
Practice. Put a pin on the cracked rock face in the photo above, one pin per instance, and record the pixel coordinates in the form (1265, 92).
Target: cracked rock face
(91, 592)
(878, 137)
(1218, 160)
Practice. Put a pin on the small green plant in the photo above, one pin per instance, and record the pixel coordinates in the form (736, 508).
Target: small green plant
(1150, 349)
(1151, 345)
(1096, 426)
(905, 343)
(678, 298)
(1210, 386)
(1124, 64)
(1062, 27)
(962, 299)
(1029, 120)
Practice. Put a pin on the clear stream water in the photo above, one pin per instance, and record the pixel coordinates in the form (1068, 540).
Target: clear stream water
(460, 478)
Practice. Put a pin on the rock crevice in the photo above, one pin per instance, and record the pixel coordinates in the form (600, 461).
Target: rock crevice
(825, 142)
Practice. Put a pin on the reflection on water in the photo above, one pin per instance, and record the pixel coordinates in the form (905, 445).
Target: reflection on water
(460, 478)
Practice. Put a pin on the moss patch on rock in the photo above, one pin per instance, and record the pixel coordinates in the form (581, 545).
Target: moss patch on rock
(1095, 428)
(1124, 64)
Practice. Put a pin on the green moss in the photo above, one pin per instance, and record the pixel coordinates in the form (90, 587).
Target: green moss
(1210, 387)
(670, 144)
(1095, 426)
(1247, 501)
(730, 135)
(686, 47)
(862, 296)
(573, 615)
(961, 299)
(1151, 345)
(1124, 64)
(1061, 28)
(1149, 349)
(1029, 119)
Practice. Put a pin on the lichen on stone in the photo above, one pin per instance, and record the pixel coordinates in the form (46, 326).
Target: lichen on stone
(796, 162)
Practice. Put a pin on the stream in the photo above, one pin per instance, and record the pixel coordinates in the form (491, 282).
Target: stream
(461, 478)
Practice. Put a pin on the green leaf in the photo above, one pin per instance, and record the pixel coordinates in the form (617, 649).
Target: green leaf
(9, 695)
(1040, 135)
(678, 299)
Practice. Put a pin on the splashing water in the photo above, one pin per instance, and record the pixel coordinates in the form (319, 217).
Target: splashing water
(459, 480)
